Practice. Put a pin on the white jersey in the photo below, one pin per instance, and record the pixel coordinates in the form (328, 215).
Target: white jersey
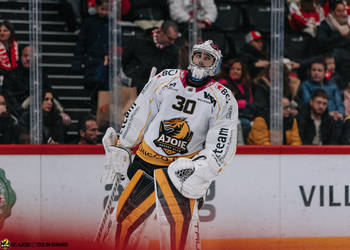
(172, 119)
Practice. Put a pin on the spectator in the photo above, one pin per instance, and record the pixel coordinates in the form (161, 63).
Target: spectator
(253, 54)
(261, 91)
(91, 6)
(155, 48)
(344, 138)
(331, 74)
(53, 127)
(291, 86)
(8, 48)
(316, 126)
(260, 134)
(92, 52)
(318, 81)
(347, 8)
(234, 75)
(347, 100)
(88, 130)
(76, 8)
(148, 14)
(9, 129)
(333, 36)
(181, 11)
(17, 85)
(69, 10)
(306, 15)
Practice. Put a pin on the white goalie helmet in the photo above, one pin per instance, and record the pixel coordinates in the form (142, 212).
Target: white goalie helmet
(199, 72)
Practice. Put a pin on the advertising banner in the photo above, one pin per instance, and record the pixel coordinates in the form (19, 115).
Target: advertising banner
(259, 196)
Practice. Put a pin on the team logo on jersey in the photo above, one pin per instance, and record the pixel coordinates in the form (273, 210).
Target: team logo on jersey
(174, 135)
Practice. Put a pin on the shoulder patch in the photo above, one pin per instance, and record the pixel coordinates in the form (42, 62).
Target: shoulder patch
(169, 72)
(225, 92)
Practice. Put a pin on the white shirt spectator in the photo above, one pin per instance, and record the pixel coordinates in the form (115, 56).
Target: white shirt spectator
(181, 11)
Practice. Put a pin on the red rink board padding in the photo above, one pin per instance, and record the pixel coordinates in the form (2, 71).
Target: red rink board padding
(326, 243)
(51, 149)
(98, 149)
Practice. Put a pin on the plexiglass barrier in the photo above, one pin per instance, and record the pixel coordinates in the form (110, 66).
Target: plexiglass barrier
(35, 72)
(275, 42)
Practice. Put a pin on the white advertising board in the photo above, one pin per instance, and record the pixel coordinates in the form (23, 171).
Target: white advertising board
(259, 196)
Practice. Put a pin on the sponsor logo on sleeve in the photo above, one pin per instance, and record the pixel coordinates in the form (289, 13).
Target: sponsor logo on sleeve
(174, 136)
(229, 113)
(225, 92)
(128, 116)
(221, 142)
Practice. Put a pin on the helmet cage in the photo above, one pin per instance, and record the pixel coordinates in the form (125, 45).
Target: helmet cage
(210, 48)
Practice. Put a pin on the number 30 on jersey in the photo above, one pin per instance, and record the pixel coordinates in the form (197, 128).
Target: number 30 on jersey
(184, 105)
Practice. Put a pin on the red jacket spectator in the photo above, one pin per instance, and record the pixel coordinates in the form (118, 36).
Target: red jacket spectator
(307, 16)
(8, 47)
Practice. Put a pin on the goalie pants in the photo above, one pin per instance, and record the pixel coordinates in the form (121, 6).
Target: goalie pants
(146, 167)
(151, 192)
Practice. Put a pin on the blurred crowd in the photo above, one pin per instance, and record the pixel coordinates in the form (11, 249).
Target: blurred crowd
(316, 85)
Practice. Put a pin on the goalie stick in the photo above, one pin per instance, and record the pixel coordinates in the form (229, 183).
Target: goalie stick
(119, 178)
(152, 74)
(106, 221)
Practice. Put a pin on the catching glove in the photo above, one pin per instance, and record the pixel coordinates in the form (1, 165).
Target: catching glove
(192, 177)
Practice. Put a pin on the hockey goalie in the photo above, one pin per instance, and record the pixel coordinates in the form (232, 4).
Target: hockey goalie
(185, 124)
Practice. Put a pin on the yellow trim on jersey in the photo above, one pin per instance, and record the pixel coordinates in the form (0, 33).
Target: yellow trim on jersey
(163, 83)
(147, 154)
(230, 157)
(217, 101)
(141, 131)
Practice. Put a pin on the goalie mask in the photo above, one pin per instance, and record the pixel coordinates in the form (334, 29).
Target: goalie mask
(205, 61)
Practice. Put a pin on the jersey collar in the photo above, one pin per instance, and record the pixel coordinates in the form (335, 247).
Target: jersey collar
(183, 77)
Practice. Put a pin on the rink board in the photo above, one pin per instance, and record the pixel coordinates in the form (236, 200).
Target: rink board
(269, 198)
